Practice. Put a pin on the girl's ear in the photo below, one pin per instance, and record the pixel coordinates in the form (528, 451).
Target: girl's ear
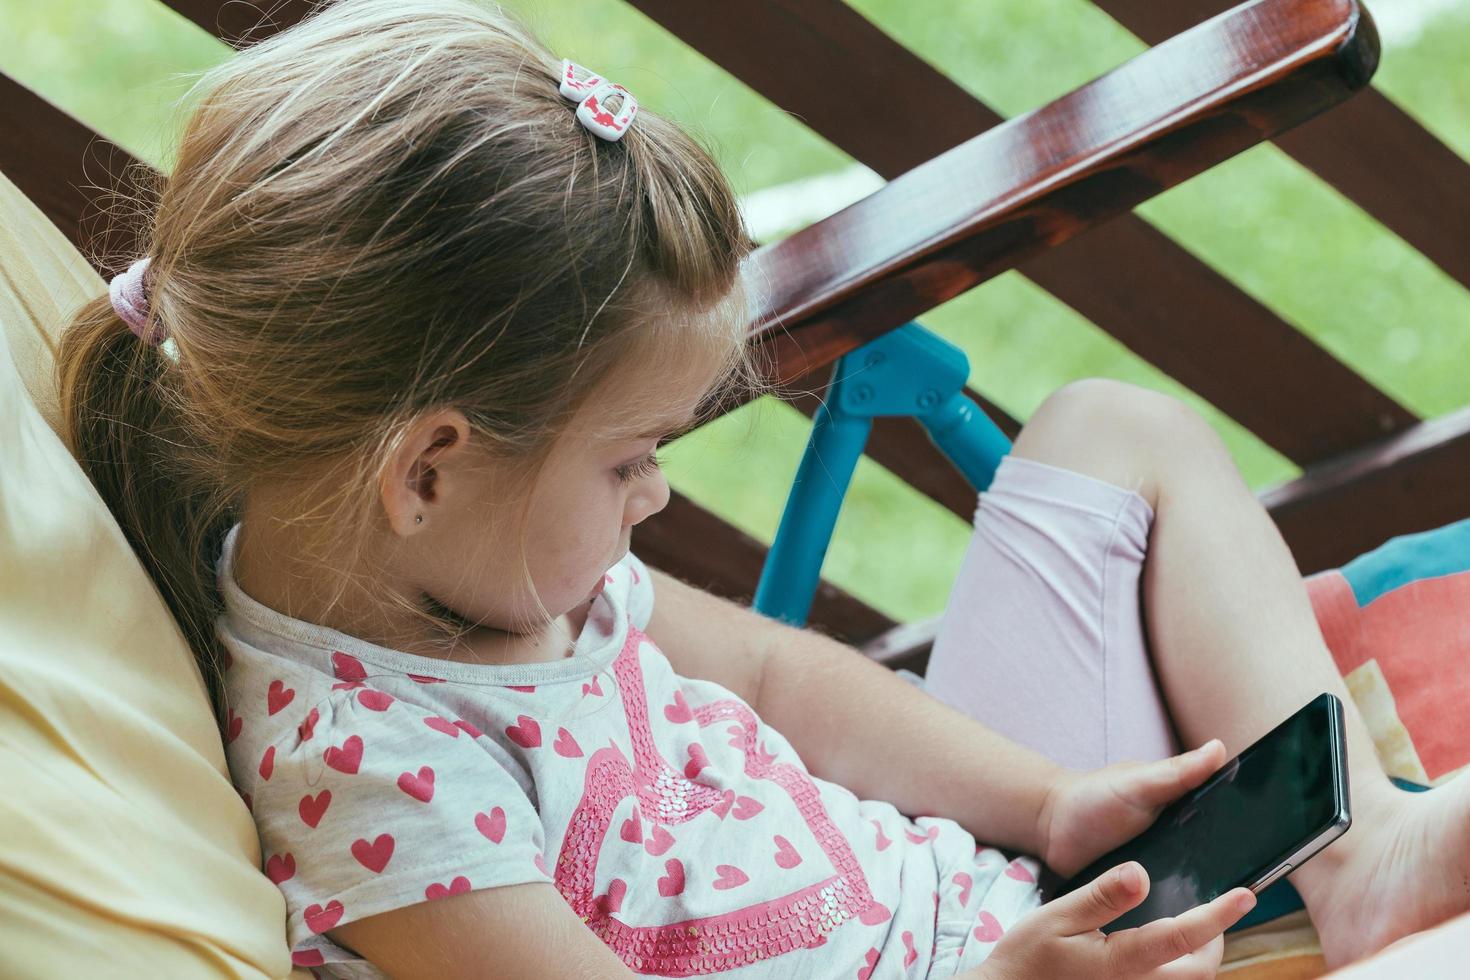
(416, 486)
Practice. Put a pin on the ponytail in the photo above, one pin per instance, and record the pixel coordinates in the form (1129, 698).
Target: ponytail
(117, 418)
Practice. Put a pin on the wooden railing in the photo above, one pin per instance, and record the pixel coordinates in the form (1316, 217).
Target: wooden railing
(971, 195)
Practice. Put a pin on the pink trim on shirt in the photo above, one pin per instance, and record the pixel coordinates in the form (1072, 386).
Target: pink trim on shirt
(712, 943)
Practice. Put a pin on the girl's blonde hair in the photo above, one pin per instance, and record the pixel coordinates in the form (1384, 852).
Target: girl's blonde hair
(383, 211)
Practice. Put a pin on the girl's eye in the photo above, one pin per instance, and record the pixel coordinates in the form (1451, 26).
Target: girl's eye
(646, 466)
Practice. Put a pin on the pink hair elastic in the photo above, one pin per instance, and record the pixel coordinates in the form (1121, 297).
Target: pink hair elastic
(130, 300)
(595, 96)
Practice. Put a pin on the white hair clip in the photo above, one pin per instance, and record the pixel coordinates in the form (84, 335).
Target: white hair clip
(604, 107)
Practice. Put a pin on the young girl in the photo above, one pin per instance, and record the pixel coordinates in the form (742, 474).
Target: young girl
(432, 298)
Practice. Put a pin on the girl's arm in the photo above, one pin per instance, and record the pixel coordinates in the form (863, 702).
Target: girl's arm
(504, 933)
(857, 723)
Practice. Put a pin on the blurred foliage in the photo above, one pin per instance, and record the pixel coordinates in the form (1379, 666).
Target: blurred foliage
(1287, 239)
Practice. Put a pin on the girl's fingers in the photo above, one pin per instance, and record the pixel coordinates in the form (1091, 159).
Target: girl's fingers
(1158, 942)
(1203, 962)
(1101, 900)
(1166, 780)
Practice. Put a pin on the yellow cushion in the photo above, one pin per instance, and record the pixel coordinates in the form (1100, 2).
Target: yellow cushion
(124, 849)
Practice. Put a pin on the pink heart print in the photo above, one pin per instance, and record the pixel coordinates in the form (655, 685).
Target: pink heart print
(347, 668)
(595, 688)
(425, 679)
(526, 732)
(236, 723)
(458, 886)
(566, 746)
(659, 841)
(910, 954)
(374, 700)
(1020, 872)
(727, 800)
(930, 834)
(729, 877)
(467, 728)
(871, 958)
(632, 830)
(311, 808)
(883, 839)
(989, 929)
(746, 807)
(321, 918)
(697, 761)
(965, 882)
(268, 762)
(307, 728)
(491, 824)
(348, 757)
(420, 786)
(786, 856)
(874, 914)
(678, 712)
(443, 725)
(613, 900)
(374, 856)
(278, 696)
(672, 882)
(280, 868)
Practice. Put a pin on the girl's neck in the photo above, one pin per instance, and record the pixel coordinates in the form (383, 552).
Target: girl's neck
(270, 566)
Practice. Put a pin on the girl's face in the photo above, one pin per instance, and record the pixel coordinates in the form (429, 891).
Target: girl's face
(597, 484)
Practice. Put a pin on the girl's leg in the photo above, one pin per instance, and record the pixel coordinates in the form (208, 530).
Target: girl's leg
(1043, 638)
(1236, 648)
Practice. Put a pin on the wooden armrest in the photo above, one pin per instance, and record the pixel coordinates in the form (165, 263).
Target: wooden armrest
(1044, 177)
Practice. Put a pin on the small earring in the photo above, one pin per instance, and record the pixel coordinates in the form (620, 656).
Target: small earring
(419, 519)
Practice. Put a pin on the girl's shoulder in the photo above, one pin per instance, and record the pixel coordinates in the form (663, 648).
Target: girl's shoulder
(366, 801)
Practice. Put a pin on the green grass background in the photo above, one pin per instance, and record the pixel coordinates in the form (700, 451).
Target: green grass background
(1260, 219)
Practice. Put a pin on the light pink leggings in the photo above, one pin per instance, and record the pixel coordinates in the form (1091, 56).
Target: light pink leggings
(1042, 638)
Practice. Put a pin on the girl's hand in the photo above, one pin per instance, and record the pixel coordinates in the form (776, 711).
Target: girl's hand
(1061, 939)
(1087, 814)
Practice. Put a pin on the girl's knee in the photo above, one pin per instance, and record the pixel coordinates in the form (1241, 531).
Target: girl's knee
(1115, 431)
(1101, 409)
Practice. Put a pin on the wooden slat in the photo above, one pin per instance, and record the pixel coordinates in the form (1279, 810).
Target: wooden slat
(1128, 278)
(240, 24)
(1413, 481)
(1370, 150)
(63, 168)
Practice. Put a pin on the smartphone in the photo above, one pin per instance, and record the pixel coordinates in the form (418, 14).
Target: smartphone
(1258, 818)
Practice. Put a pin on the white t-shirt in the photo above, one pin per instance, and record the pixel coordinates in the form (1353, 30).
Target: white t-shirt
(686, 833)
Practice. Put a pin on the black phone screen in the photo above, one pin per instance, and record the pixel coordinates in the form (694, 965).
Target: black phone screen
(1255, 812)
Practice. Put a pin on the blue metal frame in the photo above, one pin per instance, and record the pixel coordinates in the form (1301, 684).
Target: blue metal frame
(907, 371)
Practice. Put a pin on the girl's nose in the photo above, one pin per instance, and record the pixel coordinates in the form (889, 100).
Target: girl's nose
(650, 497)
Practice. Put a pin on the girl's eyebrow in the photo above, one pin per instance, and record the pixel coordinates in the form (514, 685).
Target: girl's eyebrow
(674, 429)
